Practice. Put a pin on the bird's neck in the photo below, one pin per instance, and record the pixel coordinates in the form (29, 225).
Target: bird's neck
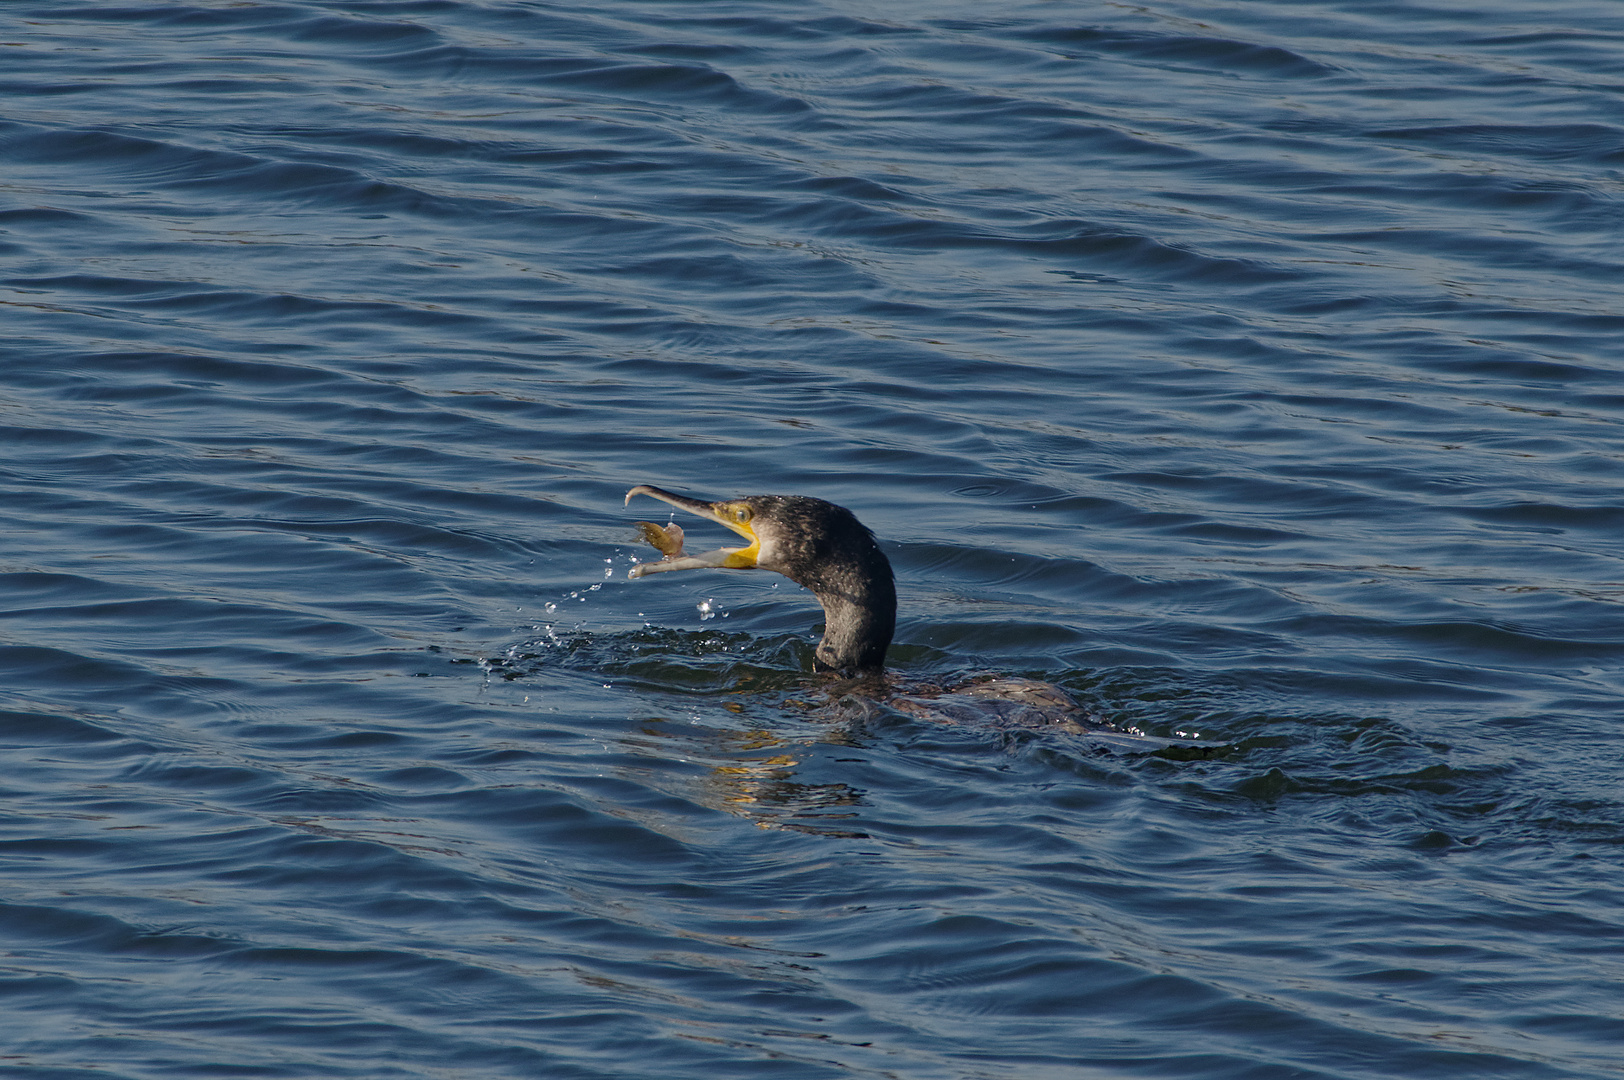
(857, 626)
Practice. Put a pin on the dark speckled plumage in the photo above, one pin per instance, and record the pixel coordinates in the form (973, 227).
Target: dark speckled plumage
(825, 548)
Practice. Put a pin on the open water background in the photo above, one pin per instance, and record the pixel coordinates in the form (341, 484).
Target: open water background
(1251, 369)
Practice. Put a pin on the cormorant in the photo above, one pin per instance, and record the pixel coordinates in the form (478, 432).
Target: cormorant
(826, 549)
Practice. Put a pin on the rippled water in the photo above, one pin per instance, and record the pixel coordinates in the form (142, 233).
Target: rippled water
(1252, 370)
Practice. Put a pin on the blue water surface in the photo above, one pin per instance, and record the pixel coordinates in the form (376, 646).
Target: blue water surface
(1252, 370)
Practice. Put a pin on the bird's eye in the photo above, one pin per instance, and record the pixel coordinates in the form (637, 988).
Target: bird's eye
(741, 514)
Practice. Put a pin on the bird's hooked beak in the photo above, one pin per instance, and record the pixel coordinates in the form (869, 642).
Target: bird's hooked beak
(735, 515)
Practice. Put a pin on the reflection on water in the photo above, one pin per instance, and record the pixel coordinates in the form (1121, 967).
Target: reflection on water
(751, 771)
(765, 790)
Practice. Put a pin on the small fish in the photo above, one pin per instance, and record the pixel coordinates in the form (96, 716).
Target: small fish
(667, 540)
